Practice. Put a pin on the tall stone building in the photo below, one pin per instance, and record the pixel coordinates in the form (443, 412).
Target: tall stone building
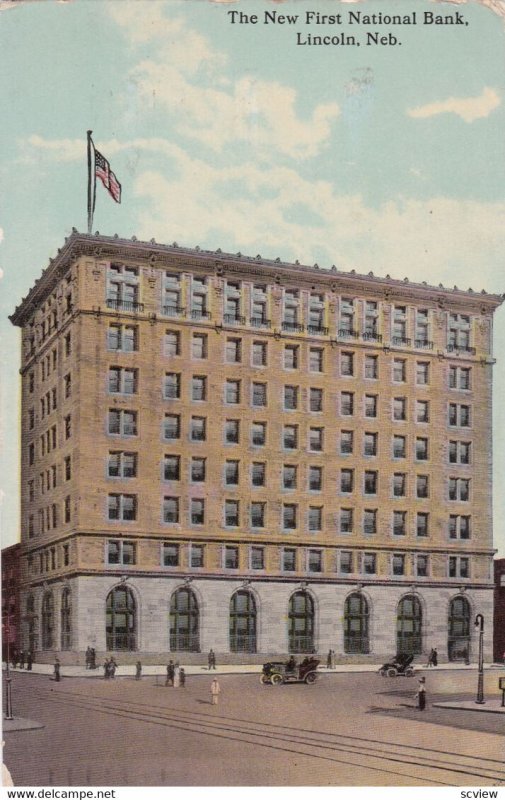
(254, 456)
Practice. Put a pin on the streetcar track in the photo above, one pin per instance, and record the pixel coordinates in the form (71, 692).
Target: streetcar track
(216, 728)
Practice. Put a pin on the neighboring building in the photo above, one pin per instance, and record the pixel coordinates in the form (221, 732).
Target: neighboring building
(258, 457)
(11, 609)
(499, 610)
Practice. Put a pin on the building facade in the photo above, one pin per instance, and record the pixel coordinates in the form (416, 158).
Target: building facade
(254, 456)
(499, 610)
(11, 605)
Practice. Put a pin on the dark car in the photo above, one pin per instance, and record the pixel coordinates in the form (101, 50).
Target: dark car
(277, 672)
(399, 665)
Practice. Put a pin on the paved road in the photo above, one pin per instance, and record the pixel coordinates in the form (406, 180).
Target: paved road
(346, 730)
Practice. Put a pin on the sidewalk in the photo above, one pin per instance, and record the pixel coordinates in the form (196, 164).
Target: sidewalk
(491, 706)
(126, 671)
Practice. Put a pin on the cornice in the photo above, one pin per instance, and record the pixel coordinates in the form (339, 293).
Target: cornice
(220, 263)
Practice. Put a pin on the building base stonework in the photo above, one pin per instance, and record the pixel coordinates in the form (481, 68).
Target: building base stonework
(151, 619)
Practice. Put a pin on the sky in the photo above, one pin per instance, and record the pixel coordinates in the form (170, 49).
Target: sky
(387, 158)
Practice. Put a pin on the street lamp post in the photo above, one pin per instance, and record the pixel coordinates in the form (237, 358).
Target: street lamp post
(479, 623)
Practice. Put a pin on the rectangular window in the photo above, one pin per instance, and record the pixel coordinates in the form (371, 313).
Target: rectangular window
(371, 481)
(231, 557)
(459, 526)
(399, 370)
(289, 560)
(347, 364)
(315, 479)
(400, 408)
(171, 510)
(459, 452)
(346, 480)
(290, 437)
(258, 434)
(233, 351)
(370, 444)
(421, 566)
(347, 403)
(172, 386)
(291, 357)
(197, 512)
(258, 473)
(459, 567)
(370, 521)
(257, 515)
(422, 449)
(370, 405)
(315, 518)
(231, 513)
(68, 426)
(315, 359)
(459, 415)
(289, 476)
(67, 384)
(371, 367)
(257, 558)
(315, 399)
(67, 509)
(458, 337)
(172, 343)
(170, 555)
(346, 562)
(198, 470)
(122, 465)
(422, 486)
(346, 442)
(369, 564)
(122, 507)
(120, 552)
(422, 524)
(231, 473)
(398, 564)
(422, 373)
(198, 429)
(259, 394)
(122, 381)
(172, 426)
(199, 387)
(259, 354)
(290, 397)
(289, 513)
(231, 431)
(346, 520)
(316, 440)
(196, 557)
(399, 523)
(422, 411)
(315, 561)
(122, 337)
(172, 468)
(459, 489)
(399, 446)
(199, 345)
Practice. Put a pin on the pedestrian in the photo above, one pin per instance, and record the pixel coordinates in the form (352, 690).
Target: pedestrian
(29, 661)
(182, 678)
(106, 672)
(215, 691)
(430, 658)
(170, 673)
(88, 657)
(176, 675)
(466, 657)
(333, 659)
(328, 660)
(138, 670)
(212, 659)
(57, 673)
(421, 694)
(93, 659)
(434, 657)
(21, 659)
(14, 658)
(112, 667)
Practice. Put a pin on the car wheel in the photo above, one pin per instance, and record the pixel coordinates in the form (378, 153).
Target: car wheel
(276, 679)
(311, 677)
(391, 673)
(264, 679)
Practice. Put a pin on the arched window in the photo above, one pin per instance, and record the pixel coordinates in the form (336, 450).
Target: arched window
(458, 645)
(409, 625)
(121, 620)
(301, 623)
(184, 621)
(66, 620)
(47, 621)
(243, 623)
(356, 624)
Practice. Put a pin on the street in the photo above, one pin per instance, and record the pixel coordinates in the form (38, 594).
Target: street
(345, 730)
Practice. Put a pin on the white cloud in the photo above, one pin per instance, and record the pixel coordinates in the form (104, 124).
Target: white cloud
(468, 108)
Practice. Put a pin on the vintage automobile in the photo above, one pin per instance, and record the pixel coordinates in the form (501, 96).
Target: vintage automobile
(277, 672)
(399, 665)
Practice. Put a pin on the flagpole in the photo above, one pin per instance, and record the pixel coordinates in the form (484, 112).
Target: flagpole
(91, 205)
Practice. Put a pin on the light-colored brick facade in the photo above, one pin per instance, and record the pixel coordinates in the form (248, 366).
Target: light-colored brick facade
(216, 424)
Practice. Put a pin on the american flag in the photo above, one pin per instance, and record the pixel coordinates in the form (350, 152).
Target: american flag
(109, 180)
